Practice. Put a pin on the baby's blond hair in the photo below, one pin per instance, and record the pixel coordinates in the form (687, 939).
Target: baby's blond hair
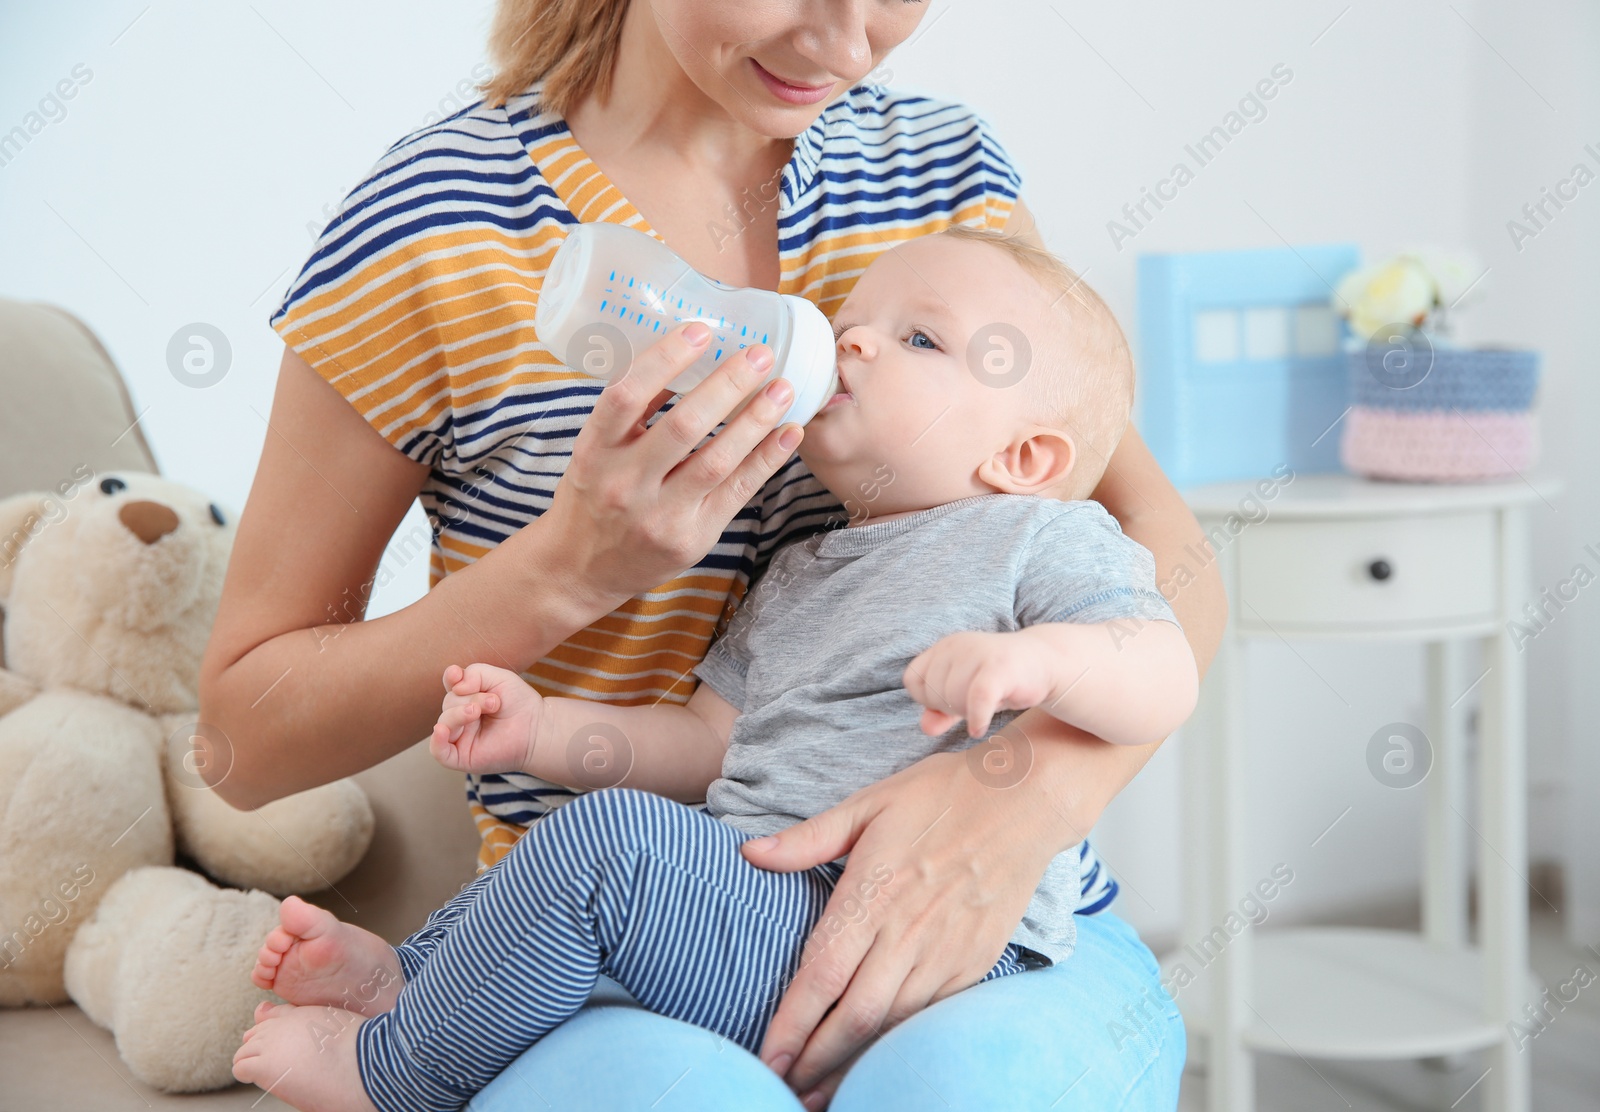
(1081, 377)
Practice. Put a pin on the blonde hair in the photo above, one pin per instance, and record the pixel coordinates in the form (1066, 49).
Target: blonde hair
(1082, 380)
(570, 45)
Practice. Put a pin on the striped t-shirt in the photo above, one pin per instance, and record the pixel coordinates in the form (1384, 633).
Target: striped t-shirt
(417, 305)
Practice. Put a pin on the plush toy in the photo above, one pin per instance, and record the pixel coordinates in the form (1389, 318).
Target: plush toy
(109, 589)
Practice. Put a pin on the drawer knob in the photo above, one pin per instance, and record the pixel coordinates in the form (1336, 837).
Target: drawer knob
(1380, 570)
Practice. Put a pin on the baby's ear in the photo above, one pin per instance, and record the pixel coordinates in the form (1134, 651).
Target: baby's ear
(1036, 460)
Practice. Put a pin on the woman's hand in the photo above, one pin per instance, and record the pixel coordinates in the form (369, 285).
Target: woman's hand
(641, 502)
(962, 861)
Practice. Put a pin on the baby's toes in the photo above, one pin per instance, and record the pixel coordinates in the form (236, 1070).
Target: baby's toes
(278, 941)
(299, 919)
(250, 1067)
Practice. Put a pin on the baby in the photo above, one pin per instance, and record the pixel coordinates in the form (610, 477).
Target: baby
(983, 388)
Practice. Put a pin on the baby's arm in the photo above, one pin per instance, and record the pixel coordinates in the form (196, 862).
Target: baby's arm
(493, 721)
(1130, 681)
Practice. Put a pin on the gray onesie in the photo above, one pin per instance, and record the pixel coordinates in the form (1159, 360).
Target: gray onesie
(815, 656)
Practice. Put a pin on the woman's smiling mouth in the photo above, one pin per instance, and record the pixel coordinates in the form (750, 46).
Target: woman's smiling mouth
(794, 94)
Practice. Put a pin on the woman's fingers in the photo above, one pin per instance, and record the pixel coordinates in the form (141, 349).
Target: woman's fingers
(626, 404)
(749, 472)
(715, 460)
(832, 952)
(828, 962)
(683, 428)
(916, 993)
(823, 837)
(821, 1095)
(936, 823)
(861, 1015)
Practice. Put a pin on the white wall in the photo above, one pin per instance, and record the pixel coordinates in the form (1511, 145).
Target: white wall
(181, 182)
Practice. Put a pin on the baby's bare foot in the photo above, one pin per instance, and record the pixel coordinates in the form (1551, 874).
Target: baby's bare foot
(304, 1056)
(313, 958)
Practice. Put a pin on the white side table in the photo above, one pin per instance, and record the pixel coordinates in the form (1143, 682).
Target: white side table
(1338, 556)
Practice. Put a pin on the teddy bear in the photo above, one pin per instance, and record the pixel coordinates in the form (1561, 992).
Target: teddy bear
(109, 587)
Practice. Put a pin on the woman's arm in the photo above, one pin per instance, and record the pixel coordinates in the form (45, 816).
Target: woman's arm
(967, 855)
(304, 691)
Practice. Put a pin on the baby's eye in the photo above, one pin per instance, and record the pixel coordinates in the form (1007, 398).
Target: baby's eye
(915, 332)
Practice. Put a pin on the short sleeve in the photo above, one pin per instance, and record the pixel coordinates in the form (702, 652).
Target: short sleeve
(1002, 180)
(1081, 567)
(412, 276)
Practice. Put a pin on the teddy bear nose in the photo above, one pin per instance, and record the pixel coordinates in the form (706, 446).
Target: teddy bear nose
(149, 521)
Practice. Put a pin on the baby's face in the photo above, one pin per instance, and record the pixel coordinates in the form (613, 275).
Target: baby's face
(932, 387)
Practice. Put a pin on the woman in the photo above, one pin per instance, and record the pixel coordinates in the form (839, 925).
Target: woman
(739, 132)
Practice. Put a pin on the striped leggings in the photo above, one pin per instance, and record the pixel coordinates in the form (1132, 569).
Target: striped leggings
(649, 892)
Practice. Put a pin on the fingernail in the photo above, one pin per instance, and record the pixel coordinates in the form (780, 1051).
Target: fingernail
(769, 842)
(780, 391)
(697, 334)
(780, 1065)
(759, 357)
(812, 1100)
(788, 438)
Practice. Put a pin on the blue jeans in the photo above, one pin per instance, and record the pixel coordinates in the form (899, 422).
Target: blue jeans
(1095, 1032)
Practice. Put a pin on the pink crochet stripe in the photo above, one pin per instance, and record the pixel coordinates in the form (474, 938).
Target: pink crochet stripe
(1438, 444)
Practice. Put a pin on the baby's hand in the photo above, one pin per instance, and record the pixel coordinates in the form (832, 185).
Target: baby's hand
(489, 723)
(973, 675)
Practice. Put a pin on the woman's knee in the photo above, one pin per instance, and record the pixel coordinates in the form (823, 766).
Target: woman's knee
(1095, 1032)
(670, 1066)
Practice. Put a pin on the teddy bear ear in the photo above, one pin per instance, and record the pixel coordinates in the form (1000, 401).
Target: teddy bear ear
(22, 516)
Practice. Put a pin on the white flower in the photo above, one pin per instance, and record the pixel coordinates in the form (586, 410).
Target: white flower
(1454, 274)
(1395, 291)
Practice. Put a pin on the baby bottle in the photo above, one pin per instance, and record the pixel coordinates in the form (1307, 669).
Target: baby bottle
(611, 292)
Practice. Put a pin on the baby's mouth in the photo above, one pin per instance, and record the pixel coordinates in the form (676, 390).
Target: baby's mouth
(842, 396)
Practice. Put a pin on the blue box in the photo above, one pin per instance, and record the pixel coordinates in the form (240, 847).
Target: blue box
(1241, 361)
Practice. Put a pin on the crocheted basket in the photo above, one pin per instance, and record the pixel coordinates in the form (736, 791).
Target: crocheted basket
(1469, 418)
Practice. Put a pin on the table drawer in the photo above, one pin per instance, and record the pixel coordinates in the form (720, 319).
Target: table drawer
(1321, 573)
